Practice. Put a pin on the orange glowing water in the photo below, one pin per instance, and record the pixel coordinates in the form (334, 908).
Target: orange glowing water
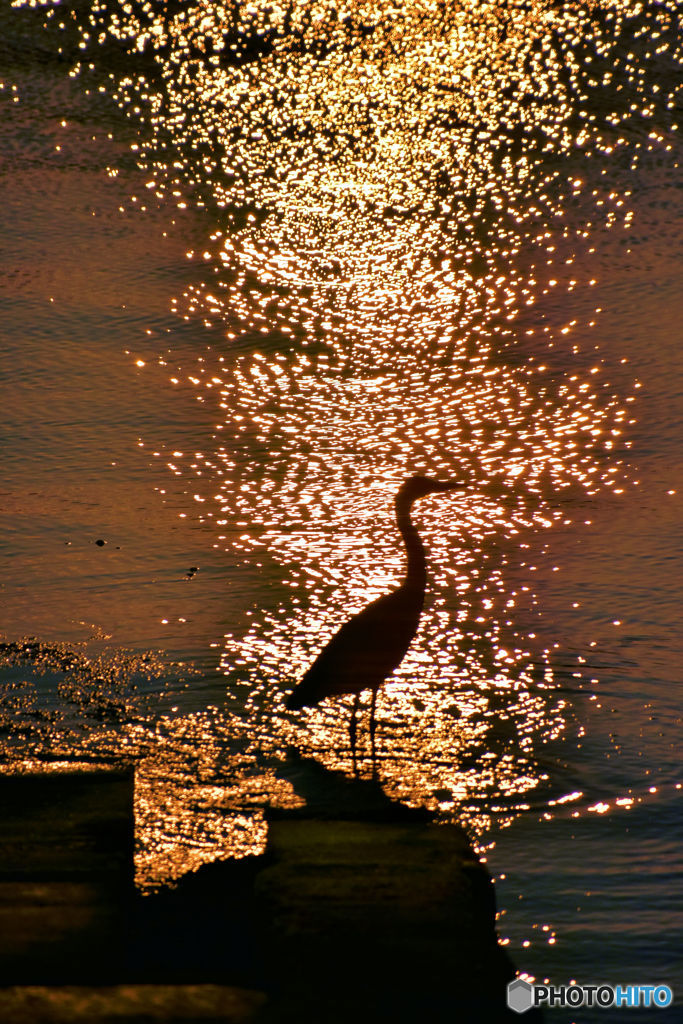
(261, 267)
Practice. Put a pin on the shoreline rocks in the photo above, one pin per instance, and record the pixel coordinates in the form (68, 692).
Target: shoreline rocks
(382, 916)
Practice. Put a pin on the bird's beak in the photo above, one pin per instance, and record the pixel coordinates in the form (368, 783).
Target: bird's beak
(450, 485)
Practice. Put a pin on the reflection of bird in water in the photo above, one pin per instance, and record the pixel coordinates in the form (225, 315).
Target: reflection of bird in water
(373, 643)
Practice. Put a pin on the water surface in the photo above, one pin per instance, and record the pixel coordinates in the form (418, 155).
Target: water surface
(260, 265)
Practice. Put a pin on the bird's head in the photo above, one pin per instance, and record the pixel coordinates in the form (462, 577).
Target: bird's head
(418, 486)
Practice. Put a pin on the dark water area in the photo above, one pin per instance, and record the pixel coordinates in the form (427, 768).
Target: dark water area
(258, 266)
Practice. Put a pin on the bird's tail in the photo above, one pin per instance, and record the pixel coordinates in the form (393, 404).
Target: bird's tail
(296, 700)
(306, 693)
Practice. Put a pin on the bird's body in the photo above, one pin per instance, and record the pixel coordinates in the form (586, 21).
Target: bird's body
(355, 659)
(371, 645)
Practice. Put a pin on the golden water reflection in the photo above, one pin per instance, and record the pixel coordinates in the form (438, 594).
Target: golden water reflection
(404, 209)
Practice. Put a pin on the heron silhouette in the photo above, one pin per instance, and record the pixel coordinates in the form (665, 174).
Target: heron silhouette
(367, 648)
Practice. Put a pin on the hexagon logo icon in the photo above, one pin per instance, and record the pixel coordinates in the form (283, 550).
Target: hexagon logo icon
(520, 996)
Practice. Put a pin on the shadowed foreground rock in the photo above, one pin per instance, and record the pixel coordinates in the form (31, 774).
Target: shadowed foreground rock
(384, 922)
(363, 911)
(128, 1004)
(66, 881)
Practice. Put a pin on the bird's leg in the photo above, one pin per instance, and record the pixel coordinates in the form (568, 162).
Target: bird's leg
(353, 724)
(373, 725)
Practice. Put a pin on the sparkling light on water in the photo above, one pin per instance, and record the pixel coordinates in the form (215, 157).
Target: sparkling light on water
(400, 272)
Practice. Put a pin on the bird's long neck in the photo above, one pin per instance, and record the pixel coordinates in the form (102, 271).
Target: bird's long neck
(416, 575)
